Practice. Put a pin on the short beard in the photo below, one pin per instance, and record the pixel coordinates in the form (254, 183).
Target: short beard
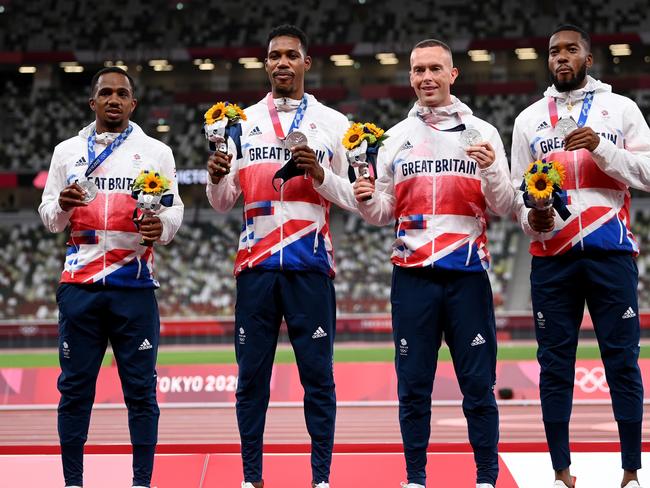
(573, 83)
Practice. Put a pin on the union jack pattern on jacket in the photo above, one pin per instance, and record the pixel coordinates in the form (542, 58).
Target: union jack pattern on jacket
(436, 195)
(287, 228)
(597, 182)
(103, 245)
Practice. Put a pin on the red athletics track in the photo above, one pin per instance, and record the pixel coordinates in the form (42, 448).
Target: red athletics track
(354, 425)
(198, 448)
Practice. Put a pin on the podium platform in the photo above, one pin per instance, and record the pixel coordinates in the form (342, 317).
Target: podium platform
(522, 465)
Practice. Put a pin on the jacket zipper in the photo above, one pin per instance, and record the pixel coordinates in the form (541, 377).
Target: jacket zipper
(105, 232)
(576, 175)
(281, 225)
(433, 219)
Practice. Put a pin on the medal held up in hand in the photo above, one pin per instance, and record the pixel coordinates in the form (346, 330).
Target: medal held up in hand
(295, 138)
(290, 169)
(565, 126)
(89, 188)
(470, 137)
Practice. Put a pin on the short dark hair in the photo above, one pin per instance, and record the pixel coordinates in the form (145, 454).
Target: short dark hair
(110, 69)
(431, 43)
(291, 31)
(434, 43)
(571, 27)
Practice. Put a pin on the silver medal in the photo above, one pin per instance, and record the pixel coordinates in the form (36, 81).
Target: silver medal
(565, 126)
(89, 188)
(470, 137)
(295, 138)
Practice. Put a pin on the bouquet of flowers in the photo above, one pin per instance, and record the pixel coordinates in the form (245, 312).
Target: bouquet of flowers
(542, 187)
(150, 190)
(220, 120)
(362, 142)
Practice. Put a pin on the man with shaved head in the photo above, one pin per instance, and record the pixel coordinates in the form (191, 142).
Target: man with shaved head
(438, 172)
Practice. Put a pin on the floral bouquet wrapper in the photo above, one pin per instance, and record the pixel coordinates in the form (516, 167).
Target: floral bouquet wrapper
(542, 187)
(151, 190)
(362, 142)
(221, 121)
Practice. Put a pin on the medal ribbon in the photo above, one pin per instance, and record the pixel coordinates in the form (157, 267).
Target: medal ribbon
(584, 111)
(297, 119)
(96, 161)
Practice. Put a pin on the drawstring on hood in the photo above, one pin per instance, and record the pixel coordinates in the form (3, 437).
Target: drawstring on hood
(446, 117)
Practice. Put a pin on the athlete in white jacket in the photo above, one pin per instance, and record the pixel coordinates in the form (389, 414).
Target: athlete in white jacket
(107, 285)
(439, 171)
(589, 257)
(285, 258)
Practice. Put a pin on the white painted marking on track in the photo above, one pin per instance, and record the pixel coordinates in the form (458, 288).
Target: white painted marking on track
(592, 469)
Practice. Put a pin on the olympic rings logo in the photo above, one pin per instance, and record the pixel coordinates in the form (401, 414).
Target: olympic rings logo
(591, 380)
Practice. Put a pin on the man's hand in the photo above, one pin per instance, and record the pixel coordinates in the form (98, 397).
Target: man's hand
(364, 188)
(483, 153)
(583, 138)
(305, 159)
(71, 196)
(541, 220)
(150, 228)
(218, 166)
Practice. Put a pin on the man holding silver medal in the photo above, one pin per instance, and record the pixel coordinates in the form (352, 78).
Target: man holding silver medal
(107, 285)
(603, 142)
(291, 165)
(439, 170)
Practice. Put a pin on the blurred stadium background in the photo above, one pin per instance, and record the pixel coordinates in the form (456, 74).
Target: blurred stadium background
(187, 54)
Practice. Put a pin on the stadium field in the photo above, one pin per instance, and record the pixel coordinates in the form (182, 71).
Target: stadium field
(171, 355)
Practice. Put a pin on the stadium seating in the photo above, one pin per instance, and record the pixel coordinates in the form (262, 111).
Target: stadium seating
(188, 23)
(195, 270)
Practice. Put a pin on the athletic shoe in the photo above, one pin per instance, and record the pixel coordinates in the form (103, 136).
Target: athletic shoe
(322, 484)
(633, 484)
(484, 485)
(411, 485)
(246, 484)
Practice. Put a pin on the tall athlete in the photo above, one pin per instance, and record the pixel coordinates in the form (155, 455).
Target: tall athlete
(439, 171)
(107, 286)
(590, 256)
(285, 261)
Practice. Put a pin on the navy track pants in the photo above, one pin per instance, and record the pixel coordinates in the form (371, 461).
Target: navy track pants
(427, 304)
(607, 283)
(90, 317)
(306, 300)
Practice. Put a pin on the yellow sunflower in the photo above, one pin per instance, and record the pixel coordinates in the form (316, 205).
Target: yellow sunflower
(376, 131)
(540, 187)
(354, 136)
(153, 183)
(216, 112)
